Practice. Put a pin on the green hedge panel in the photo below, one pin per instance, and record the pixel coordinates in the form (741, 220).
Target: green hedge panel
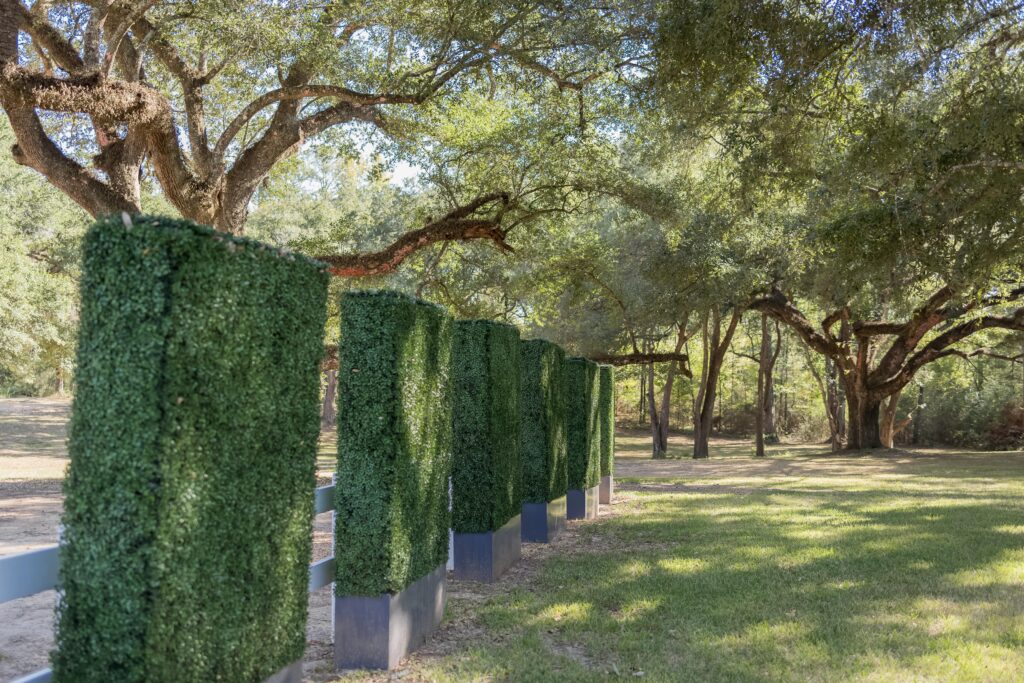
(394, 442)
(487, 480)
(582, 423)
(188, 502)
(542, 445)
(606, 410)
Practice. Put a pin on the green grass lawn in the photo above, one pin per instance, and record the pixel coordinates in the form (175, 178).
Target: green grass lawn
(899, 567)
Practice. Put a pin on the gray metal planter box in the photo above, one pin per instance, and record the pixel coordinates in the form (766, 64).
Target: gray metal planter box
(290, 674)
(377, 632)
(486, 556)
(607, 489)
(582, 503)
(541, 522)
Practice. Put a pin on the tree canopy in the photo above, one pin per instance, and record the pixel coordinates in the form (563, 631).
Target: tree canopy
(637, 181)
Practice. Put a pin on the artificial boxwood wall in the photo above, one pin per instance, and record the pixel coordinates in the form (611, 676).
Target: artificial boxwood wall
(188, 507)
(486, 474)
(606, 410)
(582, 423)
(542, 446)
(394, 442)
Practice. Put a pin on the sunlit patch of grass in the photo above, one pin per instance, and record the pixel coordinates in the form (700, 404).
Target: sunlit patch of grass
(682, 565)
(905, 570)
(1005, 570)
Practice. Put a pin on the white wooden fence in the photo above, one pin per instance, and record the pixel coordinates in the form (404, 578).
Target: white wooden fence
(36, 571)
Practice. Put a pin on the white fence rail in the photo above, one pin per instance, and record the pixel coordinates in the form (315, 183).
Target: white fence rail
(36, 571)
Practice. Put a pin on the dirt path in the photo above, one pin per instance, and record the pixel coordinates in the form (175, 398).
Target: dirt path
(33, 456)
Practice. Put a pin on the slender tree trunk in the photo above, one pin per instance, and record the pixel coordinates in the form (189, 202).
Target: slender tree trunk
(666, 399)
(329, 410)
(642, 402)
(657, 446)
(771, 435)
(715, 353)
(660, 414)
(763, 373)
(702, 387)
(835, 404)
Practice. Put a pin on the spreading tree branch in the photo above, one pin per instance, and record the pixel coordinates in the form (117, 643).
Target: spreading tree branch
(640, 358)
(457, 225)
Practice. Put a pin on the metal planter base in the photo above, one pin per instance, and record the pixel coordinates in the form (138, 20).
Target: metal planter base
(582, 503)
(607, 489)
(541, 522)
(377, 632)
(290, 674)
(486, 556)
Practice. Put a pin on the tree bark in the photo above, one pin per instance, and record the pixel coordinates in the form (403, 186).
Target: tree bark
(888, 426)
(642, 400)
(329, 411)
(864, 429)
(764, 418)
(658, 445)
(762, 374)
(771, 435)
(918, 410)
(714, 352)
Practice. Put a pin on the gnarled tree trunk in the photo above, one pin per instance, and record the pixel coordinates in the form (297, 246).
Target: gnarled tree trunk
(864, 412)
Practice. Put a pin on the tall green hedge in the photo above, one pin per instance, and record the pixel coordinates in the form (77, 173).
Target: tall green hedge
(188, 503)
(582, 423)
(542, 420)
(487, 480)
(606, 410)
(394, 442)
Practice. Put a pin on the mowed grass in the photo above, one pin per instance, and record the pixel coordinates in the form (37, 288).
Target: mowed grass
(895, 567)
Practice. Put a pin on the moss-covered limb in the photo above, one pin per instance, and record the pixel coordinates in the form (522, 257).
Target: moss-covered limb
(394, 442)
(486, 473)
(582, 423)
(606, 409)
(193, 443)
(542, 438)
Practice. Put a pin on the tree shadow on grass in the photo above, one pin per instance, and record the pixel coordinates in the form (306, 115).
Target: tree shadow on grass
(774, 585)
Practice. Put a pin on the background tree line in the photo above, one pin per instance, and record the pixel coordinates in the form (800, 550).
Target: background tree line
(823, 199)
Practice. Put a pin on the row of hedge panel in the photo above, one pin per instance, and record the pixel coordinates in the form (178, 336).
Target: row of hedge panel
(187, 514)
(394, 442)
(487, 479)
(193, 441)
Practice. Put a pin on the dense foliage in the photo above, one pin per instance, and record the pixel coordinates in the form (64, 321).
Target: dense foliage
(542, 421)
(394, 442)
(487, 478)
(658, 176)
(582, 423)
(193, 447)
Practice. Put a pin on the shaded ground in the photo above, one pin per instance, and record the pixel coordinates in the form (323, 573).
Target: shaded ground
(801, 566)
